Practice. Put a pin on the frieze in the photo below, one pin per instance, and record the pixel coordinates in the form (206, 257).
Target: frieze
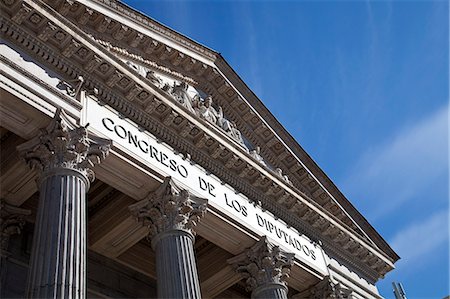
(223, 89)
(146, 121)
(192, 101)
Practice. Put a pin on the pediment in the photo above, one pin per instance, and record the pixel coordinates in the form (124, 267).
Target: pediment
(187, 93)
(256, 135)
(158, 77)
(205, 70)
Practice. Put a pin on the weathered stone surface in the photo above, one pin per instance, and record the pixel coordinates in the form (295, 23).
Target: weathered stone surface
(265, 267)
(64, 155)
(171, 215)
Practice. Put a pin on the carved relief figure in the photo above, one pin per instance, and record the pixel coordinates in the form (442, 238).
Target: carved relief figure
(179, 91)
(222, 122)
(236, 134)
(256, 155)
(153, 78)
(147, 73)
(284, 177)
(207, 111)
(140, 69)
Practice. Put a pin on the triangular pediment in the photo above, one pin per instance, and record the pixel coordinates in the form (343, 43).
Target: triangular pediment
(178, 59)
(157, 77)
(256, 135)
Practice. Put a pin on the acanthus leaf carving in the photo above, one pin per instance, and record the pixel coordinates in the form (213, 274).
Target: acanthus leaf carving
(62, 144)
(169, 208)
(327, 289)
(263, 263)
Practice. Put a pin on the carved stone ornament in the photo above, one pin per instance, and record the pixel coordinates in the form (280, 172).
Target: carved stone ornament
(263, 263)
(256, 154)
(169, 208)
(326, 289)
(12, 220)
(64, 145)
(72, 87)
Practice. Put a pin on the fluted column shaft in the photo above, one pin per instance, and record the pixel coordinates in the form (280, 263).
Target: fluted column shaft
(58, 258)
(270, 290)
(63, 154)
(171, 214)
(175, 265)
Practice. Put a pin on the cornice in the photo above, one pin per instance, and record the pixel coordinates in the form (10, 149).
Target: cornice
(148, 23)
(211, 80)
(156, 114)
(324, 189)
(150, 64)
(71, 101)
(166, 31)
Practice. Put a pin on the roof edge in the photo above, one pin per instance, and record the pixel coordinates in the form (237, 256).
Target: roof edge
(298, 150)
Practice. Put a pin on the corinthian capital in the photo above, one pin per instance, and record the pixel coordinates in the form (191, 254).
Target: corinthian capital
(63, 144)
(169, 208)
(12, 220)
(327, 289)
(262, 264)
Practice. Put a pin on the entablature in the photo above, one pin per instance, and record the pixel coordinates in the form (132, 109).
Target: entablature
(212, 80)
(71, 52)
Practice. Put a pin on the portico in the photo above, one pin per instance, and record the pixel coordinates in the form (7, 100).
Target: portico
(152, 162)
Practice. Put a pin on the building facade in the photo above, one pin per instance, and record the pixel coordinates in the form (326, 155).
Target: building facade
(137, 164)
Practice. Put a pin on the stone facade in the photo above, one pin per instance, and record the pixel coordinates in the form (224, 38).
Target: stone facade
(144, 167)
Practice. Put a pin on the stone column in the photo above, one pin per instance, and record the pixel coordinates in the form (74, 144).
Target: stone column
(171, 215)
(12, 220)
(265, 268)
(327, 289)
(63, 155)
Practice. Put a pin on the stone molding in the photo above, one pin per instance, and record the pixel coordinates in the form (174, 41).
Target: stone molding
(263, 264)
(64, 145)
(275, 151)
(147, 22)
(210, 79)
(169, 208)
(153, 115)
(327, 289)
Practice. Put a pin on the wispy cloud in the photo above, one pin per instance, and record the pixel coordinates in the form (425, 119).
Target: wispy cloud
(434, 229)
(405, 166)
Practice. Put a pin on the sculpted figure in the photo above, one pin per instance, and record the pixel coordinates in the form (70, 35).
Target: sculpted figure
(153, 78)
(256, 155)
(179, 91)
(207, 111)
(196, 103)
(166, 87)
(147, 73)
(284, 177)
(236, 134)
(222, 122)
(140, 69)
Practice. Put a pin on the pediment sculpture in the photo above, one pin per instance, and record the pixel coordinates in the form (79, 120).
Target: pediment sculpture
(201, 105)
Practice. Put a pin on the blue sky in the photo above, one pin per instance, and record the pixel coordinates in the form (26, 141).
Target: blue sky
(363, 87)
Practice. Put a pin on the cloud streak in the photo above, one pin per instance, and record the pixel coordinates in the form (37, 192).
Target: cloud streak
(434, 230)
(404, 167)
